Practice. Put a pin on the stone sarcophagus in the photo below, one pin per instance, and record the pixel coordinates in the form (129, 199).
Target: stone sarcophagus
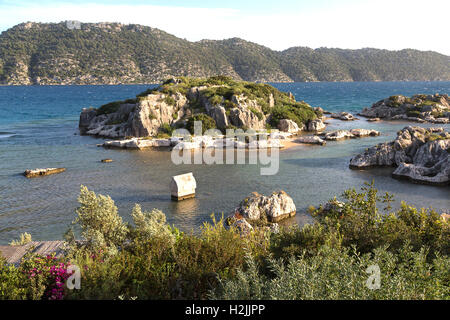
(183, 186)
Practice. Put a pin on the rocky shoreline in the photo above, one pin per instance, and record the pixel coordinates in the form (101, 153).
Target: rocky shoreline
(420, 155)
(418, 108)
(219, 102)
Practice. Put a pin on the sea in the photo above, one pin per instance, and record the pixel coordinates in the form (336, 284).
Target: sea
(39, 129)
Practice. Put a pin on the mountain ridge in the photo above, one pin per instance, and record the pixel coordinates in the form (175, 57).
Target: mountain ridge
(114, 53)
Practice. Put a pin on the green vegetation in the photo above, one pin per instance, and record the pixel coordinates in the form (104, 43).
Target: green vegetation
(299, 113)
(170, 101)
(207, 122)
(24, 239)
(413, 113)
(434, 136)
(166, 129)
(109, 108)
(52, 53)
(328, 259)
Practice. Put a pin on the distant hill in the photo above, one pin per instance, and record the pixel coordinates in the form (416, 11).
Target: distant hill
(112, 53)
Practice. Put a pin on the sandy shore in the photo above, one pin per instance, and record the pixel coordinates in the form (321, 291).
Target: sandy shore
(289, 143)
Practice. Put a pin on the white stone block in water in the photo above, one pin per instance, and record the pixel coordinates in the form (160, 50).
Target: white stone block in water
(183, 186)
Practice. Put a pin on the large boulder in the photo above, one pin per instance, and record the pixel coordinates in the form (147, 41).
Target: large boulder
(364, 133)
(287, 125)
(338, 135)
(345, 116)
(316, 125)
(273, 208)
(420, 155)
(311, 140)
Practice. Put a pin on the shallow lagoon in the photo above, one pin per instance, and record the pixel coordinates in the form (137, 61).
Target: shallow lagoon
(38, 127)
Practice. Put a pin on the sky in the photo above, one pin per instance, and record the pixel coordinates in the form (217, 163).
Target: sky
(277, 24)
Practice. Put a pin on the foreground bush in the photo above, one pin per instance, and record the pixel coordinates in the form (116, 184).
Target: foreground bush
(341, 274)
(148, 259)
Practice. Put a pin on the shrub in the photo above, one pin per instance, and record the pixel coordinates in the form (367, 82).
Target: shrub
(109, 108)
(258, 114)
(24, 239)
(170, 101)
(300, 114)
(101, 225)
(413, 113)
(207, 122)
(340, 273)
(166, 129)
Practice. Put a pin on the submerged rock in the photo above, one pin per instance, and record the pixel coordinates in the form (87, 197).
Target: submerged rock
(42, 172)
(420, 155)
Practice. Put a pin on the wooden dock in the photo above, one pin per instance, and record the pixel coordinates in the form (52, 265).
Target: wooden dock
(14, 254)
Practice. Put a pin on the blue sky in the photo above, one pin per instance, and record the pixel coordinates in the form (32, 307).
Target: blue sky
(352, 24)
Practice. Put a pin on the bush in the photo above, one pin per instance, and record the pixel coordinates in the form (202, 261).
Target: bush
(24, 239)
(109, 108)
(170, 101)
(207, 122)
(413, 113)
(328, 259)
(340, 273)
(166, 129)
(300, 114)
(258, 114)
(101, 225)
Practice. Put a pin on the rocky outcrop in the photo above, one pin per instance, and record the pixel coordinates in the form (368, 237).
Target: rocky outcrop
(338, 135)
(418, 108)
(316, 125)
(364, 133)
(172, 104)
(419, 154)
(273, 208)
(345, 116)
(311, 140)
(196, 142)
(353, 133)
(42, 172)
(287, 125)
(247, 113)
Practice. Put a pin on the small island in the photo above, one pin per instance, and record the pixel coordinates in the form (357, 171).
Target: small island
(420, 155)
(218, 102)
(418, 108)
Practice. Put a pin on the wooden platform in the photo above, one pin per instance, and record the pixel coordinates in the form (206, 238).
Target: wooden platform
(14, 254)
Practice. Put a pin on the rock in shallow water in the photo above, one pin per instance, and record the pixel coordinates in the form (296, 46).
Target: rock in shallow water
(311, 140)
(276, 207)
(42, 172)
(420, 155)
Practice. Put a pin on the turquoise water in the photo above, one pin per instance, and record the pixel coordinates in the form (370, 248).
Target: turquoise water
(39, 128)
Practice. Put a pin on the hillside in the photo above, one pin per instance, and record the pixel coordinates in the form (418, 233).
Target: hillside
(112, 53)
